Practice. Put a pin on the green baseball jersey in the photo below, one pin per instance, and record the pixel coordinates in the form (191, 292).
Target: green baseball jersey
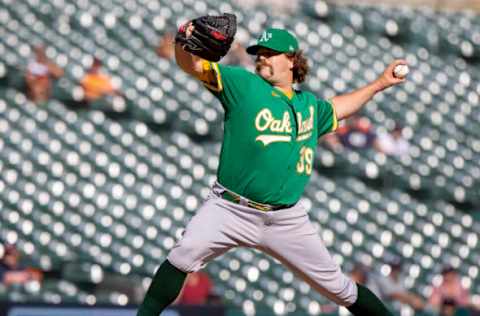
(269, 139)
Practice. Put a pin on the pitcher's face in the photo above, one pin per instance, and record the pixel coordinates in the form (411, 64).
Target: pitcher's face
(273, 66)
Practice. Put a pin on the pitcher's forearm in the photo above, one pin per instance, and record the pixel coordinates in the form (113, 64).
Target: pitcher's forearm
(189, 63)
(350, 103)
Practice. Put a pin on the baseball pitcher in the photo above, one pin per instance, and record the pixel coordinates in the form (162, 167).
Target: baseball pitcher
(271, 131)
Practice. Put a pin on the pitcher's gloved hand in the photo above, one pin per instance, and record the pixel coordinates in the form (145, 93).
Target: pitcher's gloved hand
(209, 36)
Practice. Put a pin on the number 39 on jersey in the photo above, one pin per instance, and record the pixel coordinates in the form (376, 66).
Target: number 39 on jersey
(305, 162)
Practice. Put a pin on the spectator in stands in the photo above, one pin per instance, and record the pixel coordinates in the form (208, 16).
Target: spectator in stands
(96, 84)
(392, 144)
(356, 133)
(39, 74)
(196, 290)
(359, 273)
(332, 141)
(237, 55)
(450, 292)
(390, 288)
(12, 272)
(448, 307)
(166, 48)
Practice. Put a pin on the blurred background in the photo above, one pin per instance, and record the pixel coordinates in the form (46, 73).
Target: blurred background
(107, 149)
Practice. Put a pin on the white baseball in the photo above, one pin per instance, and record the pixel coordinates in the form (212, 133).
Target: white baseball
(400, 71)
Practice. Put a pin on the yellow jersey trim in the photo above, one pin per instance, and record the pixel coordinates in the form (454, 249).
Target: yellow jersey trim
(289, 95)
(211, 76)
(335, 120)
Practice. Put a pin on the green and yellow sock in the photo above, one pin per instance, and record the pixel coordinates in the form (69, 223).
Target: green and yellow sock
(164, 289)
(368, 303)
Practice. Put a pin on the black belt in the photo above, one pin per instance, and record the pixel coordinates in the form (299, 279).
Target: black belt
(235, 198)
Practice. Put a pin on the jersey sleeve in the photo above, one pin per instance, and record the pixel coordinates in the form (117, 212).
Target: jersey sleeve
(326, 119)
(227, 83)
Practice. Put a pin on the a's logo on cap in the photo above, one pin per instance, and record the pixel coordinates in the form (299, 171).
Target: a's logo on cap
(265, 37)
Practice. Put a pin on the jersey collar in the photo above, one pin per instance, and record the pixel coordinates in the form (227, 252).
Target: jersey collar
(280, 93)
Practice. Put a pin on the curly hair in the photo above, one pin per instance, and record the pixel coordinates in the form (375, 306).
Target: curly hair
(300, 66)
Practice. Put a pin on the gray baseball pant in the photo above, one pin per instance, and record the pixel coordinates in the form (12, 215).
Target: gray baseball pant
(287, 235)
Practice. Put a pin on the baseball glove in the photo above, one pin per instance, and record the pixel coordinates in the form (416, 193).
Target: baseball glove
(211, 36)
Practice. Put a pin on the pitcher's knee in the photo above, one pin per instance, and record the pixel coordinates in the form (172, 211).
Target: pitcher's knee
(349, 294)
(345, 293)
(187, 255)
